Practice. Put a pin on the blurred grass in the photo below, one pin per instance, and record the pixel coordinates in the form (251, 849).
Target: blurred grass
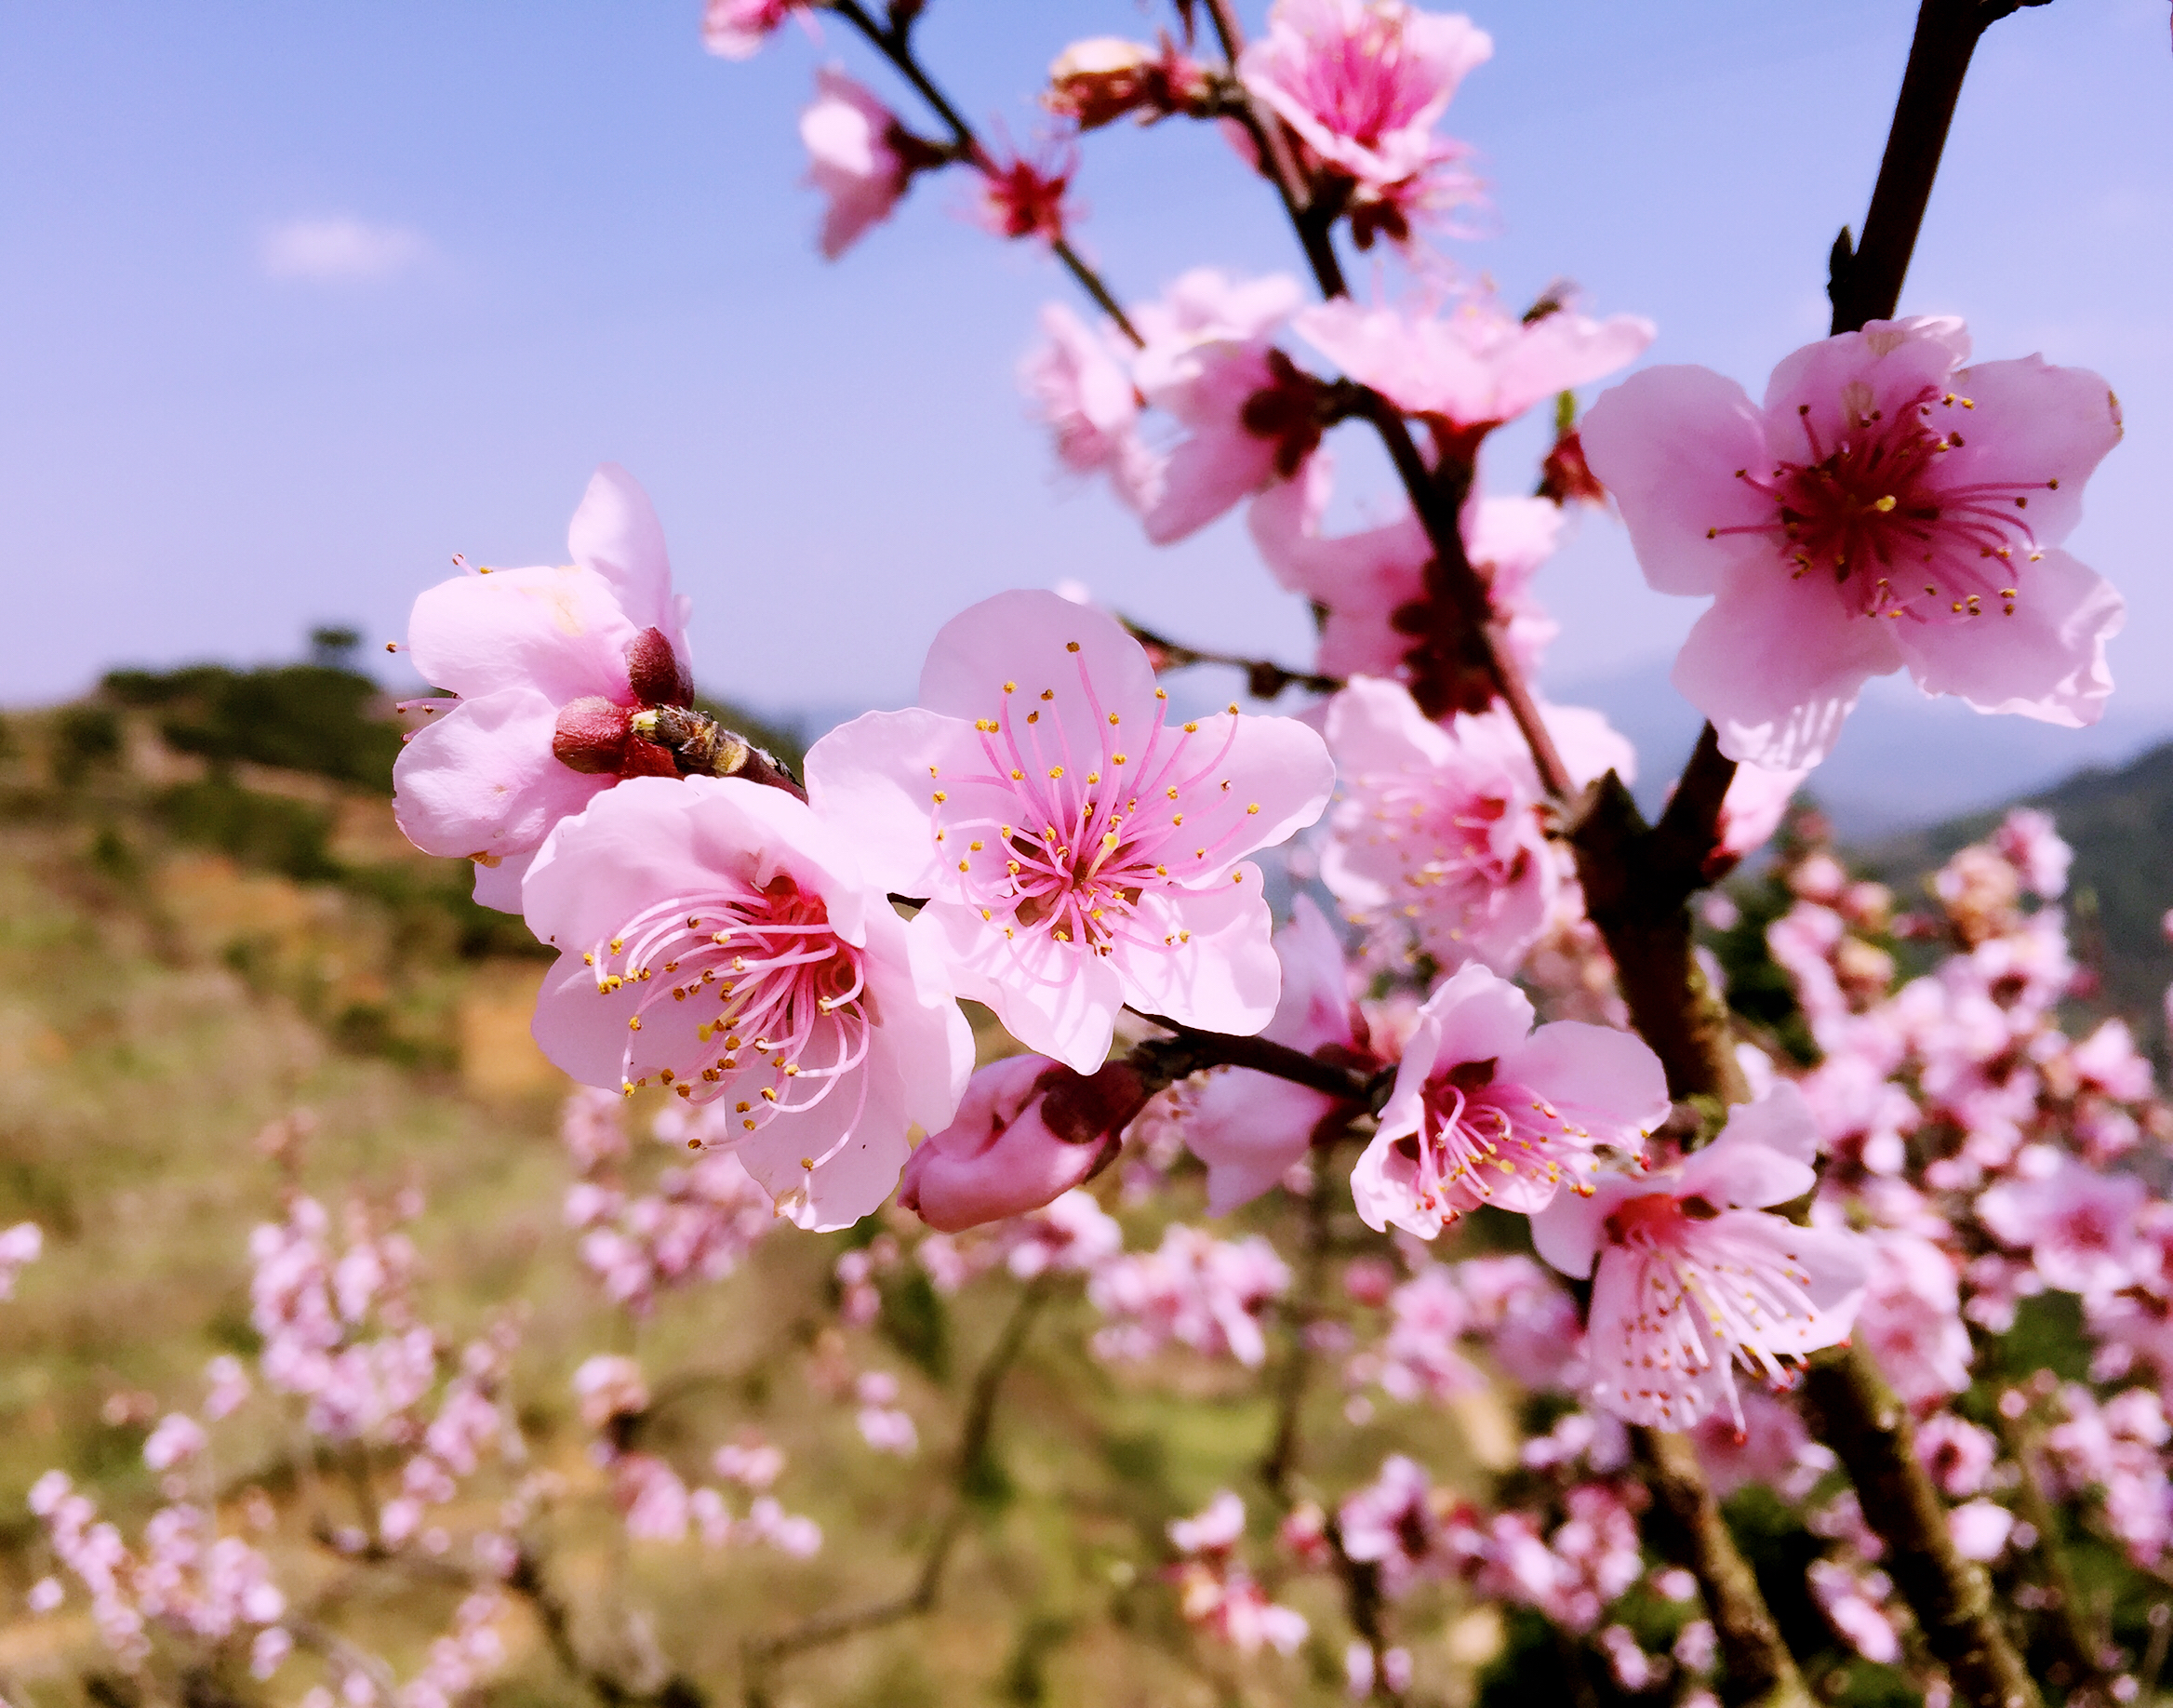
(194, 942)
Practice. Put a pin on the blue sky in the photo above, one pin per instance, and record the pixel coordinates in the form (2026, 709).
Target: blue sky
(299, 300)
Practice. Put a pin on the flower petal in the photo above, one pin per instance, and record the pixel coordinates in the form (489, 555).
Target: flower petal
(2046, 661)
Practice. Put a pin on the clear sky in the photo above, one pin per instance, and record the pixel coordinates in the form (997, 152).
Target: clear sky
(301, 300)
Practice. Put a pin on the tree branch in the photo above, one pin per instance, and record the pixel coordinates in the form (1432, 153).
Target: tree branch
(1264, 679)
(761, 1656)
(1755, 1664)
(892, 42)
(1853, 1411)
(1188, 1051)
(2079, 1647)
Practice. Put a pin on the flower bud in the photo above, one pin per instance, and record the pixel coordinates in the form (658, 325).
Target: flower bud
(1097, 81)
(1028, 1132)
(652, 670)
(591, 734)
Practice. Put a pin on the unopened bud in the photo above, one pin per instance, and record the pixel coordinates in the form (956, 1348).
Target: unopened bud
(652, 670)
(1097, 81)
(1566, 477)
(591, 734)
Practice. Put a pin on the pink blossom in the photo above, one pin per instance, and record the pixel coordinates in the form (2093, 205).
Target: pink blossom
(736, 29)
(1528, 1319)
(229, 1387)
(1753, 809)
(547, 668)
(711, 939)
(1363, 82)
(1392, 1523)
(1195, 1290)
(1417, 1358)
(1957, 1454)
(1023, 196)
(1438, 847)
(1855, 1602)
(20, 1246)
(2078, 1227)
(608, 1388)
(1079, 850)
(1768, 1444)
(853, 158)
(1216, 1592)
(1249, 1128)
(177, 1440)
(1080, 382)
(1249, 413)
(1693, 1276)
(883, 1426)
(1372, 582)
(1910, 1321)
(1488, 1111)
(1886, 508)
(1028, 1130)
(1475, 367)
(2027, 840)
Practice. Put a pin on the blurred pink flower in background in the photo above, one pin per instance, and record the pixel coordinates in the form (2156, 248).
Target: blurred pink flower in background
(853, 158)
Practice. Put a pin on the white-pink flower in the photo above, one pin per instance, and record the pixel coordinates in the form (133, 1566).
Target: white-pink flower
(1488, 1111)
(852, 158)
(1249, 1128)
(547, 668)
(1475, 365)
(713, 937)
(1694, 1274)
(1079, 849)
(1364, 83)
(1886, 507)
(1080, 382)
(1436, 845)
(2078, 1225)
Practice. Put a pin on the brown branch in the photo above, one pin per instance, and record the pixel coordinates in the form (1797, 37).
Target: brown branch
(527, 1581)
(893, 42)
(1188, 1051)
(1853, 1411)
(1264, 679)
(1755, 1664)
(761, 1656)
(1363, 1601)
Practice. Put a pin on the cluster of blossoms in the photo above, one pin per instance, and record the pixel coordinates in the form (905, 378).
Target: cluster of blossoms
(1057, 833)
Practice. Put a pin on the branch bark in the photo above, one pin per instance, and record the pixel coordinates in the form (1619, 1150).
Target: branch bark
(1853, 1411)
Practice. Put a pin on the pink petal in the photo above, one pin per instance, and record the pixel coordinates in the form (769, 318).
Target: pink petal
(1667, 443)
(480, 778)
(1226, 978)
(560, 632)
(2034, 423)
(1054, 999)
(1028, 638)
(1661, 1370)
(1895, 358)
(1314, 1008)
(2046, 661)
(1217, 467)
(1776, 665)
(616, 533)
(1249, 1130)
(867, 774)
(1607, 1080)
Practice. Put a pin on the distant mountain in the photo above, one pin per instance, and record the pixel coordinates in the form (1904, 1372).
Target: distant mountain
(2120, 824)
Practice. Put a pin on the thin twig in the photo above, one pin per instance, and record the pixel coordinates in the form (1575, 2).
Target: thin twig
(1263, 677)
(1363, 1601)
(761, 1656)
(1189, 1050)
(893, 43)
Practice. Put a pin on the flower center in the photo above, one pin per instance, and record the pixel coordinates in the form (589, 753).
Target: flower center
(1364, 86)
(1478, 1132)
(1084, 839)
(751, 993)
(1874, 510)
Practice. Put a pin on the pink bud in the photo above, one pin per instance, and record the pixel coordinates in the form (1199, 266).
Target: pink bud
(1028, 1132)
(591, 734)
(652, 669)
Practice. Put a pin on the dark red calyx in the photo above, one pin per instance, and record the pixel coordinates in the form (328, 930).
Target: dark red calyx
(592, 735)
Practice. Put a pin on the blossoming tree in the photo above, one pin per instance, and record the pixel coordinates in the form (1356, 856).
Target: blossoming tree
(1478, 1100)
